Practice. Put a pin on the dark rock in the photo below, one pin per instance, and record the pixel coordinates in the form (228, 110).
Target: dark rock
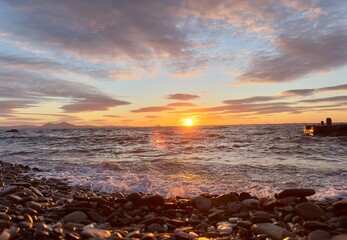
(222, 200)
(244, 196)
(14, 198)
(155, 200)
(93, 215)
(72, 236)
(95, 233)
(149, 236)
(75, 217)
(233, 207)
(21, 184)
(149, 221)
(309, 210)
(296, 192)
(314, 225)
(154, 227)
(34, 205)
(340, 206)
(8, 190)
(5, 224)
(5, 234)
(318, 235)
(25, 225)
(250, 202)
(244, 224)
(202, 203)
(134, 197)
(273, 231)
(29, 211)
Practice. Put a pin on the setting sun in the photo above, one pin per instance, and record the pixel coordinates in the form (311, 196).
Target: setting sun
(188, 122)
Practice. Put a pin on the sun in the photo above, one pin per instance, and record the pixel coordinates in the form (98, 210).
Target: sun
(188, 122)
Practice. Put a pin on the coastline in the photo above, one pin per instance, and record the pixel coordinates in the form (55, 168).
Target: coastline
(50, 209)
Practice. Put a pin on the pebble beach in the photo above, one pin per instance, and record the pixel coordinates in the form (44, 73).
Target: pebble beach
(32, 208)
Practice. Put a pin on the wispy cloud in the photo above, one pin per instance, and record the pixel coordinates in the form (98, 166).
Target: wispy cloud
(307, 92)
(182, 96)
(153, 109)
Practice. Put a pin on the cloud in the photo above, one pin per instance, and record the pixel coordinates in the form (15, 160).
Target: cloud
(250, 100)
(182, 96)
(153, 109)
(328, 99)
(8, 106)
(302, 48)
(307, 92)
(152, 117)
(112, 116)
(83, 97)
(181, 104)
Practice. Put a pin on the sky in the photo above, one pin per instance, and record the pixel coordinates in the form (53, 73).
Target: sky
(161, 62)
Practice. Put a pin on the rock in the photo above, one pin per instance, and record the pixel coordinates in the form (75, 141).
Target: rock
(340, 206)
(318, 235)
(5, 224)
(224, 228)
(149, 236)
(202, 203)
(5, 235)
(250, 202)
(244, 224)
(155, 200)
(93, 215)
(34, 205)
(36, 191)
(233, 207)
(154, 227)
(296, 192)
(273, 231)
(95, 233)
(184, 235)
(222, 200)
(25, 225)
(75, 217)
(244, 196)
(151, 220)
(134, 197)
(134, 234)
(21, 184)
(8, 190)
(308, 210)
(14, 198)
(314, 225)
(261, 217)
(340, 237)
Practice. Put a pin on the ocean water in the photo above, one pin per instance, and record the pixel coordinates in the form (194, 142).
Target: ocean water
(260, 159)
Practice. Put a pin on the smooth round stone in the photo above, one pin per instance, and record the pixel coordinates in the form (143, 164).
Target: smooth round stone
(309, 210)
(202, 203)
(29, 211)
(25, 225)
(340, 237)
(95, 233)
(5, 235)
(4, 216)
(154, 227)
(34, 205)
(134, 197)
(75, 217)
(148, 236)
(250, 202)
(341, 206)
(72, 236)
(222, 200)
(314, 225)
(21, 184)
(14, 198)
(4, 224)
(318, 235)
(155, 200)
(224, 228)
(296, 192)
(233, 207)
(273, 231)
(8, 190)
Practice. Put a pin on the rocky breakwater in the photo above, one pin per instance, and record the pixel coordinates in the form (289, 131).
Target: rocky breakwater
(49, 209)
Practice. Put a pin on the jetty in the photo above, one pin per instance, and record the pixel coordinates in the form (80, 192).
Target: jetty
(327, 129)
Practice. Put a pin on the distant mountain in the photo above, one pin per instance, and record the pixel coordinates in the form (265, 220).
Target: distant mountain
(62, 125)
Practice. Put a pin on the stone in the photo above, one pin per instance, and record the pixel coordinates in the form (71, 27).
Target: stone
(183, 235)
(314, 225)
(296, 192)
(14, 198)
(8, 190)
(154, 227)
(273, 231)
(25, 225)
(261, 217)
(36, 191)
(224, 228)
(21, 184)
(95, 233)
(93, 215)
(244, 196)
(222, 200)
(244, 224)
(308, 210)
(75, 217)
(4, 224)
(250, 202)
(340, 206)
(155, 200)
(202, 203)
(149, 236)
(34, 205)
(318, 235)
(233, 207)
(134, 197)
(340, 237)
(5, 235)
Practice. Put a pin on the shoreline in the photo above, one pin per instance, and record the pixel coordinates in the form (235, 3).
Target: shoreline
(51, 209)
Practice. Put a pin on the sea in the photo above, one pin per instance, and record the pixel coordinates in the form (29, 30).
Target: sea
(184, 161)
